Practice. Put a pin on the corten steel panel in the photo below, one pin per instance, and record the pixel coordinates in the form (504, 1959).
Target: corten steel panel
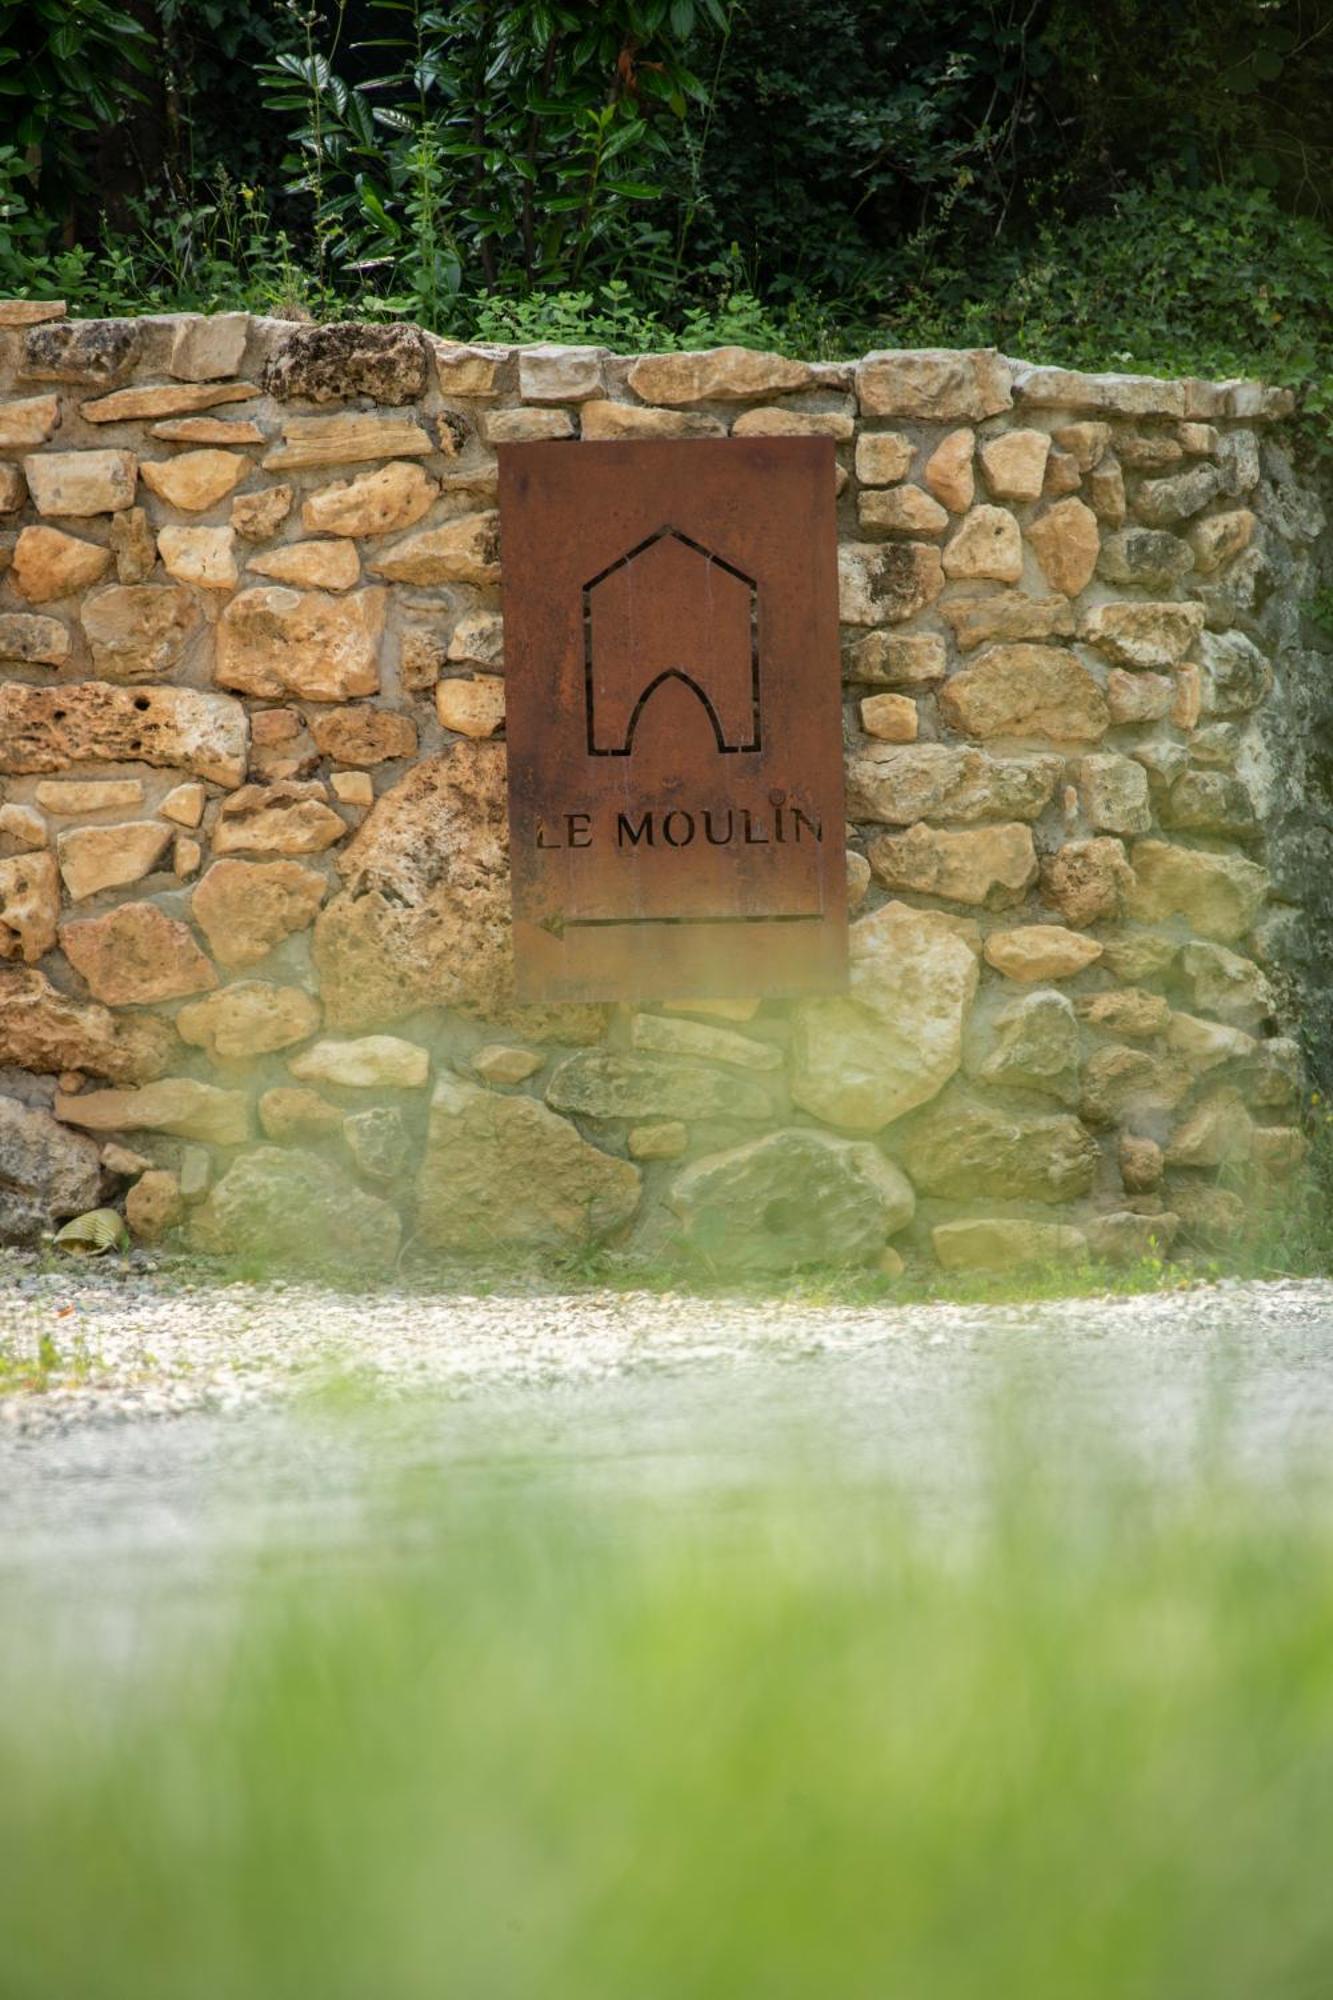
(674, 716)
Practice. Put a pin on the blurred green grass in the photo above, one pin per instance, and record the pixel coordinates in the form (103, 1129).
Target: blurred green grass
(1067, 1739)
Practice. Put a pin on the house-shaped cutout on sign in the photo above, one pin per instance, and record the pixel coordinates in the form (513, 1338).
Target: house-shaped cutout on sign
(671, 610)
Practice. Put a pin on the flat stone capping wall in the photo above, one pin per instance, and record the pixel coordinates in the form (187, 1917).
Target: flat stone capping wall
(255, 973)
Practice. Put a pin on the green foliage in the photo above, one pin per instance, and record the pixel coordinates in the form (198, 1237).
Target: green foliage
(1063, 1736)
(67, 69)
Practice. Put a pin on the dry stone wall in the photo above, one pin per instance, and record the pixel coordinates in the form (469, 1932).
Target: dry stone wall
(255, 973)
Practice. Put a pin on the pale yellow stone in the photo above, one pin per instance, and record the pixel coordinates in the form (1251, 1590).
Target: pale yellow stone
(1221, 538)
(471, 707)
(948, 473)
(286, 817)
(988, 544)
(858, 880)
(168, 399)
(209, 346)
(993, 864)
(353, 788)
(394, 496)
(80, 482)
(186, 857)
(903, 510)
(87, 722)
(504, 1062)
(138, 631)
(934, 384)
(30, 312)
(774, 421)
(1085, 442)
(898, 659)
(882, 457)
(250, 1017)
(153, 1205)
(175, 1104)
(29, 906)
(29, 421)
(1032, 952)
(890, 717)
(464, 550)
(196, 480)
(204, 556)
(310, 565)
(22, 826)
(601, 419)
(273, 641)
(1015, 464)
(716, 1010)
(1023, 690)
(373, 1062)
(467, 371)
(479, 640)
(13, 489)
(660, 1139)
(525, 426)
(1066, 542)
(49, 564)
(718, 374)
(259, 515)
(75, 798)
(208, 430)
(184, 804)
(93, 858)
(1187, 701)
(347, 438)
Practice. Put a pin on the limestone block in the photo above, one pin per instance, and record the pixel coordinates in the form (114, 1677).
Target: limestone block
(1030, 1045)
(901, 510)
(80, 482)
(1114, 793)
(138, 631)
(948, 471)
(176, 1104)
(30, 420)
(467, 371)
(1007, 616)
(136, 955)
(549, 373)
(995, 865)
(195, 480)
(717, 374)
(346, 440)
(463, 550)
(77, 798)
(1087, 880)
(777, 421)
(883, 583)
(29, 906)
(1129, 1012)
(1206, 1044)
(1105, 489)
(473, 707)
(202, 556)
(601, 1083)
(1219, 894)
(892, 718)
(249, 1018)
(526, 426)
(353, 788)
(1156, 636)
(1236, 676)
(882, 457)
(1160, 503)
(348, 358)
(170, 399)
(21, 829)
(154, 1205)
(33, 640)
(1224, 983)
(1015, 464)
(93, 858)
(43, 1030)
(1218, 1132)
(287, 817)
(1220, 538)
(259, 515)
(94, 350)
(373, 1062)
(602, 419)
(1001, 1243)
(310, 565)
(934, 385)
(988, 544)
(1031, 952)
(897, 659)
(788, 1199)
(1025, 690)
(899, 785)
(1138, 697)
(208, 348)
(290, 1112)
(379, 1143)
(394, 496)
(659, 1139)
(49, 564)
(1141, 1163)
(133, 545)
(298, 1212)
(1066, 541)
(209, 430)
(46, 1173)
(30, 312)
(184, 804)
(364, 735)
(479, 640)
(964, 1150)
(273, 641)
(667, 1037)
(1119, 395)
(503, 1063)
(1146, 557)
(47, 729)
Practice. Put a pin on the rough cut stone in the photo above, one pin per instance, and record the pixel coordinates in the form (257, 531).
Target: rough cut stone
(897, 659)
(176, 1104)
(47, 729)
(1114, 792)
(46, 1173)
(697, 1038)
(424, 918)
(347, 439)
(478, 639)
(1120, 395)
(464, 550)
(290, 1112)
(882, 457)
(259, 515)
(1236, 676)
(154, 1205)
(1144, 556)
(1015, 464)
(1141, 1163)
(1205, 1044)
(627, 420)
(195, 480)
(1040, 951)
(1106, 491)
(1220, 539)
(882, 583)
(48, 564)
(1087, 880)
(659, 1139)
(353, 788)
(471, 707)
(80, 482)
(891, 718)
(934, 385)
(364, 735)
(1219, 894)
(1062, 475)
(1162, 502)
(1213, 1217)
(467, 371)
(789, 1199)
(1224, 983)
(274, 641)
(994, 865)
(1024, 690)
(600, 1083)
(379, 1143)
(718, 374)
(137, 631)
(1001, 1243)
(1156, 636)
(964, 1150)
(203, 556)
(503, 1063)
(1125, 1086)
(13, 489)
(1032, 1044)
(550, 373)
(1127, 1011)
(1209, 802)
(209, 347)
(334, 363)
(32, 639)
(1138, 697)
(948, 471)
(310, 565)
(287, 817)
(901, 510)
(374, 1062)
(93, 350)
(29, 906)
(28, 421)
(248, 1018)
(93, 858)
(1006, 616)
(988, 544)
(296, 1211)
(938, 781)
(170, 399)
(527, 426)
(1218, 1132)
(503, 1172)
(374, 503)
(136, 955)
(245, 909)
(1124, 1237)
(896, 1038)
(75, 799)
(1066, 541)
(22, 829)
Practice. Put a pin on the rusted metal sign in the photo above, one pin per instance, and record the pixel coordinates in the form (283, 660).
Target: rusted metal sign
(674, 718)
